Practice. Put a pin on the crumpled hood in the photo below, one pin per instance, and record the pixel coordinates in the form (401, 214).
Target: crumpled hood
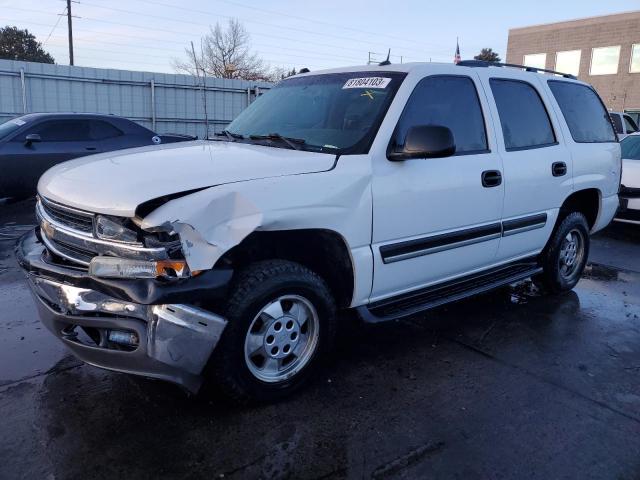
(115, 183)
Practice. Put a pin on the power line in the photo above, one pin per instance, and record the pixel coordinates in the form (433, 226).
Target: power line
(306, 31)
(145, 52)
(167, 57)
(54, 26)
(297, 17)
(190, 35)
(283, 14)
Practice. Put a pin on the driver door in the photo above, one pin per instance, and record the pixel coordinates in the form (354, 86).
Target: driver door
(438, 218)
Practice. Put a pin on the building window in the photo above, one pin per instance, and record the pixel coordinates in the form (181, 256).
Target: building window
(536, 60)
(568, 62)
(635, 58)
(604, 60)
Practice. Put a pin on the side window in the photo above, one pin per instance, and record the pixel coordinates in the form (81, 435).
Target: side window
(524, 119)
(630, 124)
(101, 130)
(62, 131)
(584, 112)
(448, 101)
(617, 123)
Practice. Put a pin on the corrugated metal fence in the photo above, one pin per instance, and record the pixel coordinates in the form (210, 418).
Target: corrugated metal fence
(163, 102)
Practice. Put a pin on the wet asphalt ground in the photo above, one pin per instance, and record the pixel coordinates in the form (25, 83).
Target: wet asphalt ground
(506, 385)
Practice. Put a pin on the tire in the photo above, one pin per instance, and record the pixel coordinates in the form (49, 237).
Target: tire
(275, 308)
(565, 256)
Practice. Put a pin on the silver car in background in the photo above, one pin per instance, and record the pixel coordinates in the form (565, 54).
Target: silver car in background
(629, 211)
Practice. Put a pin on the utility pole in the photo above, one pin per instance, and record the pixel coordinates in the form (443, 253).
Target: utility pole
(69, 23)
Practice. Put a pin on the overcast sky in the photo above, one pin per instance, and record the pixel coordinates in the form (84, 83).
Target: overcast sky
(148, 34)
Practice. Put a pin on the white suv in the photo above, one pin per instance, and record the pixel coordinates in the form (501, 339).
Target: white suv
(384, 189)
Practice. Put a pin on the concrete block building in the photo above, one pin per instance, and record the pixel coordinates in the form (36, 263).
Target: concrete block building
(603, 51)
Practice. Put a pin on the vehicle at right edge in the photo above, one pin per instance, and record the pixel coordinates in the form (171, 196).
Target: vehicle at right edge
(629, 211)
(388, 190)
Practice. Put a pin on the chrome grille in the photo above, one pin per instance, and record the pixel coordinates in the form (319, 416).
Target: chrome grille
(68, 233)
(69, 217)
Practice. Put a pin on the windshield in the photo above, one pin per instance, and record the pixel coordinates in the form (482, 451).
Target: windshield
(11, 126)
(338, 113)
(631, 147)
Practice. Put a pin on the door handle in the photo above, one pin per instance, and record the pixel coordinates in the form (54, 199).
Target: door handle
(491, 178)
(558, 169)
(90, 148)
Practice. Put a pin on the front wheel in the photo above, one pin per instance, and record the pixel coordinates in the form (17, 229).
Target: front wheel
(281, 321)
(565, 256)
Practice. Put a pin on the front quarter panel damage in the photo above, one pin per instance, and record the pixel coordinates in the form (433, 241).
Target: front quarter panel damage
(212, 221)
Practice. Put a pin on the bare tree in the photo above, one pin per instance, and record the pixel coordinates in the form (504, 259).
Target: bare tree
(225, 53)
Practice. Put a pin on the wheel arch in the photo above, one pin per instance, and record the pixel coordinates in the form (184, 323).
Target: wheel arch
(323, 251)
(586, 201)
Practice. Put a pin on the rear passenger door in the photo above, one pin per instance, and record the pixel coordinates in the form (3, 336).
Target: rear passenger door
(537, 163)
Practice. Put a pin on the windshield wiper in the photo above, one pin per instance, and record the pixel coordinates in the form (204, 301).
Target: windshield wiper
(292, 142)
(230, 135)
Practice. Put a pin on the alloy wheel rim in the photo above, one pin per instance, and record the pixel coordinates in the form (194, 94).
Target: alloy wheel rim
(571, 253)
(282, 338)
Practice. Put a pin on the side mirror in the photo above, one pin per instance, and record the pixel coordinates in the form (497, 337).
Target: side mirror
(32, 138)
(424, 141)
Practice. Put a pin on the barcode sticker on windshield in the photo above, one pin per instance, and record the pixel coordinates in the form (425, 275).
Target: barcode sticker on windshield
(17, 121)
(367, 82)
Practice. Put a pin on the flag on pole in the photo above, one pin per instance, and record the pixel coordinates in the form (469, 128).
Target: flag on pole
(457, 58)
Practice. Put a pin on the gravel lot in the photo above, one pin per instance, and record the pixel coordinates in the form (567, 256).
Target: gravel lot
(506, 385)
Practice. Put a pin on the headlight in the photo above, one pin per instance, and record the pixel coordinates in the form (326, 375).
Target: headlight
(114, 267)
(112, 228)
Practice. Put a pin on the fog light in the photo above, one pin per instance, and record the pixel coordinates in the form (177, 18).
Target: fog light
(114, 267)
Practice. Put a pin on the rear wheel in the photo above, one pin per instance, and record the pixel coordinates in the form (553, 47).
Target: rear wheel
(565, 256)
(281, 322)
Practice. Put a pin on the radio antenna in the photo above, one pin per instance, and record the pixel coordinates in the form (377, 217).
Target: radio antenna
(387, 61)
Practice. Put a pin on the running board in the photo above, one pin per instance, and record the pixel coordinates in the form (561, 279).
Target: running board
(430, 297)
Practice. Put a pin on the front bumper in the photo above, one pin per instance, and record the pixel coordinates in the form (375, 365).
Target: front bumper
(173, 341)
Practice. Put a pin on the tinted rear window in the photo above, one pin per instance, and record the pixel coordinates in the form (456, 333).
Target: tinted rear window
(524, 119)
(101, 130)
(584, 112)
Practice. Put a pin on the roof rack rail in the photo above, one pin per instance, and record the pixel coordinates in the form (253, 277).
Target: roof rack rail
(484, 64)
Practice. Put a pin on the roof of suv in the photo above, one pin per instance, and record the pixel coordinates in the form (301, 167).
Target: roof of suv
(426, 66)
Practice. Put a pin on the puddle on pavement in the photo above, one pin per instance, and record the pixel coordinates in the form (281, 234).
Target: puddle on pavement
(595, 271)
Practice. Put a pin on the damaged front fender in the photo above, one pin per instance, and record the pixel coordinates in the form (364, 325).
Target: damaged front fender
(214, 220)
